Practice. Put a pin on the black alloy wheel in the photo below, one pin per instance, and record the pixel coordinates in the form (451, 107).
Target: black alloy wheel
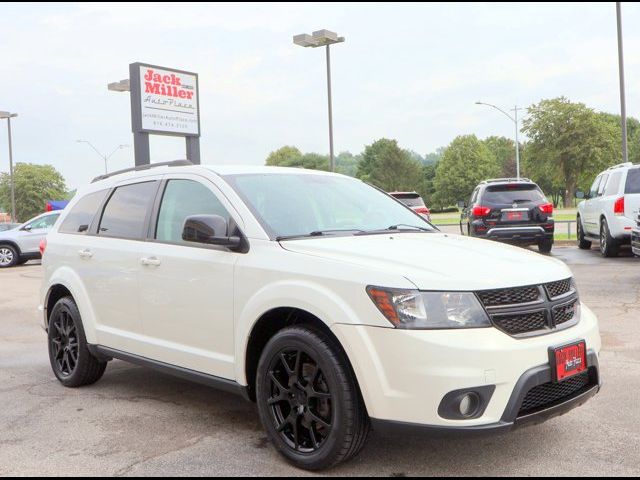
(300, 402)
(64, 343)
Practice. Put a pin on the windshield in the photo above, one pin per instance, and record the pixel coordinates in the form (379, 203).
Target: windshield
(508, 194)
(291, 204)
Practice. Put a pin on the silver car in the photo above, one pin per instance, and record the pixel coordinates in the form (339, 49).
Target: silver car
(22, 244)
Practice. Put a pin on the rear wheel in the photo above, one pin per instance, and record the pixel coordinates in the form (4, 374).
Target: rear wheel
(308, 399)
(9, 256)
(609, 246)
(71, 361)
(583, 243)
(545, 246)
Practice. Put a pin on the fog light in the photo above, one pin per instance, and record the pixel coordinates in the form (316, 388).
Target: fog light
(469, 404)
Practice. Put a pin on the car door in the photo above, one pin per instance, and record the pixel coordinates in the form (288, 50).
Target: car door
(187, 288)
(33, 232)
(590, 222)
(109, 259)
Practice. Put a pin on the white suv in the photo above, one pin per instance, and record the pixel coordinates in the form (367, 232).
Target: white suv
(324, 300)
(608, 214)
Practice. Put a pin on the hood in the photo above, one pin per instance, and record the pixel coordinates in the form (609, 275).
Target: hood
(438, 261)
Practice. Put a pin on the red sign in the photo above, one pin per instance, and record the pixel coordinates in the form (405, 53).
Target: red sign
(570, 360)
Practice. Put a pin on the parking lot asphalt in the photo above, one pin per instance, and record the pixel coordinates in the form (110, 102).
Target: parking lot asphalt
(140, 422)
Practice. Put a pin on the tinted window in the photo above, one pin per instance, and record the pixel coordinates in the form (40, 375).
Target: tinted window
(613, 186)
(125, 213)
(298, 204)
(510, 194)
(410, 199)
(633, 181)
(594, 187)
(181, 199)
(603, 183)
(80, 217)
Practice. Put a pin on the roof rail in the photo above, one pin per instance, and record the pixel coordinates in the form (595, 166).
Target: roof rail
(496, 180)
(626, 164)
(174, 163)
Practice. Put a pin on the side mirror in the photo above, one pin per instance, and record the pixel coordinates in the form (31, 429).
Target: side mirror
(462, 204)
(27, 228)
(210, 230)
(580, 195)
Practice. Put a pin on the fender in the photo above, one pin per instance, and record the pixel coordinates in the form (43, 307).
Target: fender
(66, 277)
(312, 297)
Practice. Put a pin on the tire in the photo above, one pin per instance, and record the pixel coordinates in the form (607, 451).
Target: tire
(545, 246)
(9, 256)
(305, 385)
(609, 246)
(583, 243)
(71, 362)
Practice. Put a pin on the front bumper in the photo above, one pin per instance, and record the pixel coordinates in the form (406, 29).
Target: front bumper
(405, 375)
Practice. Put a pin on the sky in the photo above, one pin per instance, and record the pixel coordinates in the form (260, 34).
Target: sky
(406, 71)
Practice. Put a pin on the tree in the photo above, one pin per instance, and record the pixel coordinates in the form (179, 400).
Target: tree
(633, 134)
(465, 163)
(286, 156)
(569, 143)
(387, 166)
(347, 163)
(35, 185)
(504, 149)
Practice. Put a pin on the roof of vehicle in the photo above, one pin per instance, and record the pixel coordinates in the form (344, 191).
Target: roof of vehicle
(621, 166)
(493, 181)
(178, 166)
(404, 193)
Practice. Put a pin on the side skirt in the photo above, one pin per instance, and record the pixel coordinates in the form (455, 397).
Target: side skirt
(107, 354)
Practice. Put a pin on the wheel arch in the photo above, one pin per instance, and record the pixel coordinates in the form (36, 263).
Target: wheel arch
(268, 325)
(12, 244)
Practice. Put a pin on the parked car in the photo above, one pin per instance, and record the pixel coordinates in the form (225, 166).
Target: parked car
(8, 226)
(414, 201)
(318, 297)
(510, 210)
(21, 244)
(608, 213)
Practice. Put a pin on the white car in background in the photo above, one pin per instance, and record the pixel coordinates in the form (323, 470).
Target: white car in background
(21, 244)
(328, 303)
(608, 214)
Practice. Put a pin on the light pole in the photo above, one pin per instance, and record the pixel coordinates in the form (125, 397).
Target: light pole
(623, 106)
(514, 120)
(104, 157)
(9, 116)
(323, 38)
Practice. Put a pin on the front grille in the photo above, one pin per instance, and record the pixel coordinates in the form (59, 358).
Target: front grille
(564, 313)
(519, 324)
(557, 289)
(546, 395)
(509, 296)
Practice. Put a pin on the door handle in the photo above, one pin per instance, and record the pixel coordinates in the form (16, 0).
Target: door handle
(150, 262)
(87, 254)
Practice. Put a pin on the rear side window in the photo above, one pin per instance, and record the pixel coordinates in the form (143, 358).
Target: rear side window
(182, 199)
(614, 184)
(633, 181)
(509, 194)
(126, 211)
(603, 182)
(81, 215)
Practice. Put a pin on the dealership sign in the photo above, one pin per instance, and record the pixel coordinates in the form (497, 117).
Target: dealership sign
(164, 101)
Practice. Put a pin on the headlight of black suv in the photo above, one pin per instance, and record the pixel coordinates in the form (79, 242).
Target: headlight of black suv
(416, 310)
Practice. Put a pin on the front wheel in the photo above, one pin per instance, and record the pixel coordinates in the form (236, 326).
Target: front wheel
(583, 243)
(609, 246)
(308, 399)
(8, 256)
(72, 363)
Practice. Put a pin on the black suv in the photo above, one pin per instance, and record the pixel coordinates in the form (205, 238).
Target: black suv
(510, 210)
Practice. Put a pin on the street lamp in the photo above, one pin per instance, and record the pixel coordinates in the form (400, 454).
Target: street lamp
(9, 116)
(121, 86)
(514, 120)
(323, 38)
(104, 157)
(623, 106)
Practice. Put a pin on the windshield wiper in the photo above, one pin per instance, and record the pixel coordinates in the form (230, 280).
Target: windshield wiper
(402, 226)
(319, 233)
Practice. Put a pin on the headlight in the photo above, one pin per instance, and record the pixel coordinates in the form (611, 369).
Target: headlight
(415, 310)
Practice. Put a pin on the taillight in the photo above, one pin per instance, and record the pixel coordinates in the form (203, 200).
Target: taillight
(480, 211)
(422, 210)
(547, 208)
(618, 207)
(43, 246)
